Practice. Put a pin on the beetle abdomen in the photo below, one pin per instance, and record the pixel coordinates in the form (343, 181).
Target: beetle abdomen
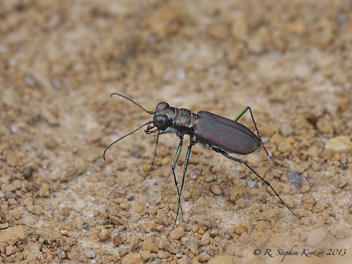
(226, 134)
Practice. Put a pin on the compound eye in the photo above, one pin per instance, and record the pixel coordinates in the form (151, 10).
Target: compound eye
(161, 106)
(161, 120)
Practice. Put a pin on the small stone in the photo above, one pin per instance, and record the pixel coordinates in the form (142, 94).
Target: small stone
(239, 30)
(204, 258)
(123, 252)
(170, 248)
(286, 130)
(10, 250)
(314, 151)
(339, 144)
(2, 216)
(51, 143)
(239, 230)
(16, 213)
(150, 245)
(146, 167)
(162, 254)
(216, 189)
(64, 232)
(325, 125)
(294, 178)
(65, 211)
(132, 258)
(237, 192)
(11, 98)
(124, 205)
(27, 172)
(285, 147)
(316, 237)
(116, 220)
(177, 233)
(28, 203)
(85, 225)
(210, 178)
(194, 249)
(206, 224)
(146, 255)
(38, 210)
(104, 234)
(218, 32)
(308, 199)
(12, 235)
(116, 241)
(147, 227)
(288, 201)
(68, 170)
(89, 254)
(4, 225)
(186, 195)
(224, 259)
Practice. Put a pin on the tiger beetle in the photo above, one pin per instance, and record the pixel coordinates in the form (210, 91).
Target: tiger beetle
(212, 131)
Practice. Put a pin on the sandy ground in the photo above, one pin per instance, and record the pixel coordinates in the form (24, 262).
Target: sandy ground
(290, 61)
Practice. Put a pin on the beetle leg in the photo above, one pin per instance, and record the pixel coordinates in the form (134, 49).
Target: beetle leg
(168, 131)
(156, 146)
(185, 165)
(240, 114)
(177, 155)
(256, 128)
(226, 155)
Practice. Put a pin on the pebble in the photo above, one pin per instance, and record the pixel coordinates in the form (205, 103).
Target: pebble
(89, 254)
(239, 230)
(237, 192)
(316, 237)
(116, 241)
(224, 259)
(104, 234)
(147, 227)
(10, 250)
(11, 98)
(294, 178)
(150, 245)
(325, 125)
(12, 235)
(68, 170)
(218, 32)
(162, 254)
(239, 30)
(308, 201)
(64, 232)
(146, 255)
(186, 195)
(124, 205)
(65, 211)
(177, 233)
(16, 213)
(216, 189)
(204, 257)
(132, 258)
(285, 147)
(339, 144)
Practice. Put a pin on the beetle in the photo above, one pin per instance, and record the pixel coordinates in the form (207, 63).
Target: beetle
(212, 131)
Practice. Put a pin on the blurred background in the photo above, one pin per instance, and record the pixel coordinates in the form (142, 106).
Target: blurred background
(290, 61)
